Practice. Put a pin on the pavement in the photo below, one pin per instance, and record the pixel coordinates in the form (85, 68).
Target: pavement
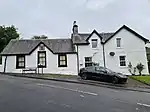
(132, 84)
(35, 95)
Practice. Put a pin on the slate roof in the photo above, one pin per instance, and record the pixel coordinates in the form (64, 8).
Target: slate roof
(82, 37)
(27, 46)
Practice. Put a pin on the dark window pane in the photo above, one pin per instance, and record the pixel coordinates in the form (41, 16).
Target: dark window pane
(62, 60)
(122, 61)
(41, 59)
(94, 43)
(20, 61)
(118, 42)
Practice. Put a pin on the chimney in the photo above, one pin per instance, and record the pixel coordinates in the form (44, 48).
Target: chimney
(75, 28)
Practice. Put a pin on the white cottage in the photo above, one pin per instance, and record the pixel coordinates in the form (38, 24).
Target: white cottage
(68, 56)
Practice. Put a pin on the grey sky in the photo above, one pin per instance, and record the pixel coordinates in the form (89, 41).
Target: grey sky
(55, 17)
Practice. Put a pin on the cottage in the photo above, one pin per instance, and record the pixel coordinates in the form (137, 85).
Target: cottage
(67, 56)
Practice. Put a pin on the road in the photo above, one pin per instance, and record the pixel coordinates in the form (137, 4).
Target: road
(31, 95)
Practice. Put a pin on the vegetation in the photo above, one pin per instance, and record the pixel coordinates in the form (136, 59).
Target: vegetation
(140, 68)
(144, 79)
(40, 37)
(131, 69)
(6, 34)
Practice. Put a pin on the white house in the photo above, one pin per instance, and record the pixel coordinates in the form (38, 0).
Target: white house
(67, 56)
(112, 50)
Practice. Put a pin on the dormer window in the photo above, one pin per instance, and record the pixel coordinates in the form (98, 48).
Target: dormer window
(94, 43)
(41, 47)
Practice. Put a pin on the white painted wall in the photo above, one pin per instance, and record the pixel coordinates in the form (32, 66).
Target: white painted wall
(52, 63)
(132, 47)
(88, 51)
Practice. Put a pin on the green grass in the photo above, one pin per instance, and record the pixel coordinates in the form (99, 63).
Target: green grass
(59, 76)
(145, 79)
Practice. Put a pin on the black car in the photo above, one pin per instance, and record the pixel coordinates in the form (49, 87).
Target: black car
(102, 73)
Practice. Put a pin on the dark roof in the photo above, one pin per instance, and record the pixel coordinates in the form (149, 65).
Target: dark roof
(83, 37)
(27, 46)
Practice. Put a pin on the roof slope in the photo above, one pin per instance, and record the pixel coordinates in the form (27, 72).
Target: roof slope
(82, 37)
(27, 46)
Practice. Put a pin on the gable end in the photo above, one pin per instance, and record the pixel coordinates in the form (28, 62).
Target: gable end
(131, 31)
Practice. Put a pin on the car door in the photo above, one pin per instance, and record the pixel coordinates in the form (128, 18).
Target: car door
(100, 72)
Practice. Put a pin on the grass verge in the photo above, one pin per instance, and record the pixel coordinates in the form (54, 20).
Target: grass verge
(143, 79)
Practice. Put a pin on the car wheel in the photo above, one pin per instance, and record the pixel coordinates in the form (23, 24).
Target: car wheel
(115, 80)
(84, 76)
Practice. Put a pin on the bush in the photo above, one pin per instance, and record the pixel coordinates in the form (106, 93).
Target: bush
(140, 68)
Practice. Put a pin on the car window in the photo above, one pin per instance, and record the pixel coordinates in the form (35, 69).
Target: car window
(108, 70)
(100, 69)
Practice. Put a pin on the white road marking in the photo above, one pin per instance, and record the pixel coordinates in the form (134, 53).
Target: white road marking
(145, 105)
(74, 90)
(82, 96)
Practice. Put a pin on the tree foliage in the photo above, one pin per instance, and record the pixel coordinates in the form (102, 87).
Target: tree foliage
(140, 68)
(40, 37)
(6, 34)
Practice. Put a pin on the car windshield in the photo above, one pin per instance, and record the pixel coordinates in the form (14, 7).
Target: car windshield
(108, 70)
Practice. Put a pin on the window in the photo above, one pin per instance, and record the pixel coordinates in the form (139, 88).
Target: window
(42, 59)
(41, 47)
(62, 60)
(94, 43)
(118, 40)
(88, 61)
(122, 60)
(20, 61)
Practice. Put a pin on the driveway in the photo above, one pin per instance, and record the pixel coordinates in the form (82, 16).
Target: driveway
(32, 95)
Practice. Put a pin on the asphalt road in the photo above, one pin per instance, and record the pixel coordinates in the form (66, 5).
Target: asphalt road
(31, 95)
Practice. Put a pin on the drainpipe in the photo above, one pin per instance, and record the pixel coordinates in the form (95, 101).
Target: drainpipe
(5, 64)
(77, 59)
(104, 55)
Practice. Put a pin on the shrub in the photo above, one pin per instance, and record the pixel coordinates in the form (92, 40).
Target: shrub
(140, 68)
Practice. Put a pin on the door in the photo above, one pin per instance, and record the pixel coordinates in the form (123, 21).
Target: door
(99, 72)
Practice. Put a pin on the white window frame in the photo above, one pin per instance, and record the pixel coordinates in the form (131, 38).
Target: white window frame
(123, 61)
(88, 62)
(119, 43)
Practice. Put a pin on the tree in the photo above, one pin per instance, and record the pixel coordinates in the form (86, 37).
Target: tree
(6, 34)
(131, 69)
(140, 68)
(40, 37)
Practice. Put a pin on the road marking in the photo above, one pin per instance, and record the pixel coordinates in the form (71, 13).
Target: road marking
(82, 96)
(74, 90)
(145, 105)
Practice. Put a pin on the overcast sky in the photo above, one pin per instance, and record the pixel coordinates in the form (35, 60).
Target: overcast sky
(54, 18)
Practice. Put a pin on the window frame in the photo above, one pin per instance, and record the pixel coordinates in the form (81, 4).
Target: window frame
(118, 44)
(59, 61)
(88, 62)
(38, 62)
(17, 61)
(94, 40)
(122, 61)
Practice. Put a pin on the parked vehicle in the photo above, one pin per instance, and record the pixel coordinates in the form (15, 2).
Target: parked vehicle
(102, 73)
